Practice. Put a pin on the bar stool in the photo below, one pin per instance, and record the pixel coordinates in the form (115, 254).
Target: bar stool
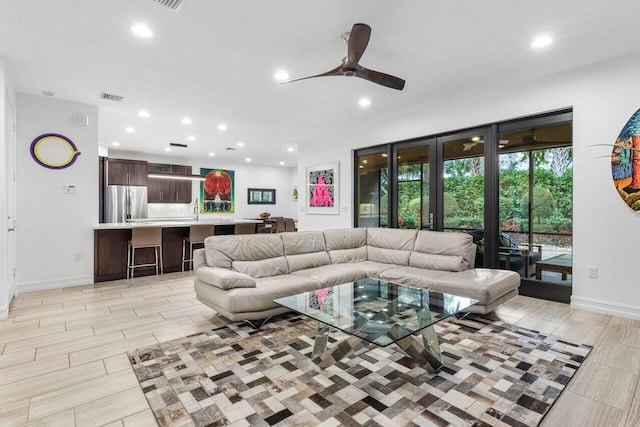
(144, 237)
(245, 228)
(289, 225)
(197, 234)
(279, 224)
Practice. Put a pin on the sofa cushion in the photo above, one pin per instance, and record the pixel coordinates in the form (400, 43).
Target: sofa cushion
(346, 245)
(437, 262)
(388, 256)
(262, 268)
(412, 276)
(305, 250)
(391, 238)
(373, 269)
(331, 275)
(446, 243)
(221, 251)
(483, 284)
(390, 245)
(261, 297)
(224, 278)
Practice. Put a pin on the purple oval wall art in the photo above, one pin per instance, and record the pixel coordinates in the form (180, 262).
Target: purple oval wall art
(54, 151)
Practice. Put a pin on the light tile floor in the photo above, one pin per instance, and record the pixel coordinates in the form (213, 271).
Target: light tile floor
(63, 353)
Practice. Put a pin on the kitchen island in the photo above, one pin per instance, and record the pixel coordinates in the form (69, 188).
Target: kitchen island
(110, 244)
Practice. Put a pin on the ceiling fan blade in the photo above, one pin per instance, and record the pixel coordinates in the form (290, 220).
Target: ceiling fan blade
(358, 41)
(380, 78)
(335, 72)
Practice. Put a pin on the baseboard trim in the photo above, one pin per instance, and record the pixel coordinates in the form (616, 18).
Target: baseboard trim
(45, 285)
(4, 312)
(613, 308)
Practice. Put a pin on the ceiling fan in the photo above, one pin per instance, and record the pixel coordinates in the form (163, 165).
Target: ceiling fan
(356, 44)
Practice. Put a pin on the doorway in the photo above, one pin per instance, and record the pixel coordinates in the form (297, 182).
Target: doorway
(10, 138)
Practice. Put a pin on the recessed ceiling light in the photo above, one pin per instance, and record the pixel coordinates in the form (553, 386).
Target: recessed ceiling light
(281, 76)
(290, 149)
(475, 139)
(361, 167)
(130, 129)
(48, 93)
(240, 144)
(365, 161)
(115, 144)
(212, 154)
(541, 41)
(222, 126)
(191, 138)
(141, 30)
(248, 159)
(384, 154)
(281, 163)
(186, 121)
(364, 102)
(167, 149)
(143, 114)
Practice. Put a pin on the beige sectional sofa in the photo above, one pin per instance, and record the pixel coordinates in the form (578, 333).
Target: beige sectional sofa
(240, 276)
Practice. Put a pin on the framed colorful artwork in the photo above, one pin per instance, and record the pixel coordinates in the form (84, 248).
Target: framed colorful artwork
(217, 191)
(322, 189)
(625, 162)
(261, 196)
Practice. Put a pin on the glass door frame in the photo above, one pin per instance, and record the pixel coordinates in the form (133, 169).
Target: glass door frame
(529, 286)
(490, 185)
(393, 183)
(377, 149)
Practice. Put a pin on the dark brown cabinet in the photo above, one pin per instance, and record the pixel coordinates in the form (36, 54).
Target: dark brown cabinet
(166, 190)
(126, 172)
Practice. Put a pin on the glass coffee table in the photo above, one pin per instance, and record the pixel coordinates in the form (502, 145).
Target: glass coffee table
(376, 312)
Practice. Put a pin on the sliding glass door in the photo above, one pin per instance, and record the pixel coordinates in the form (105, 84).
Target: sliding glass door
(372, 188)
(508, 184)
(413, 184)
(535, 195)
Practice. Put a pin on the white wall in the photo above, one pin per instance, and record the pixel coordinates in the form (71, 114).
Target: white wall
(247, 175)
(54, 230)
(606, 231)
(6, 94)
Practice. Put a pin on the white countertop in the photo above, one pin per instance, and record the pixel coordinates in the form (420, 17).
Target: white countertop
(171, 223)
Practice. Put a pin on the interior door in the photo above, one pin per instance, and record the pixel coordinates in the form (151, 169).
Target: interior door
(10, 131)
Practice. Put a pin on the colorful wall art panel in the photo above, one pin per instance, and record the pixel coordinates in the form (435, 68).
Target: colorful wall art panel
(322, 189)
(625, 162)
(54, 151)
(217, 191)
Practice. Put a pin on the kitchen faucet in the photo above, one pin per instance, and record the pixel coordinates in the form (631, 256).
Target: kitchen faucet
(196, 210)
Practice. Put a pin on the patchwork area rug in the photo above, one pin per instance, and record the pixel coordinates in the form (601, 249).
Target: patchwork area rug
(494, 374)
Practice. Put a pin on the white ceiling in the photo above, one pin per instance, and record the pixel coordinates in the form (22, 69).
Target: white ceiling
(214, 62)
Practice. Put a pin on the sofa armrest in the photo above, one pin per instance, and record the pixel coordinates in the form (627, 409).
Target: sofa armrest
(199, 258)
(224, 279)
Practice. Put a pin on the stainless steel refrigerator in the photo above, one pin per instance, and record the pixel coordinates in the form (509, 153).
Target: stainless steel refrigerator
(125, 202)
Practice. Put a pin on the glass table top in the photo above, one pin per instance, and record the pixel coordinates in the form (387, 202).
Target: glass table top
(376, 311)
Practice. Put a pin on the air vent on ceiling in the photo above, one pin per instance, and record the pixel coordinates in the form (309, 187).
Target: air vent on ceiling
(111, 97)
(174, 5)
(175, 144)
(230, 149)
